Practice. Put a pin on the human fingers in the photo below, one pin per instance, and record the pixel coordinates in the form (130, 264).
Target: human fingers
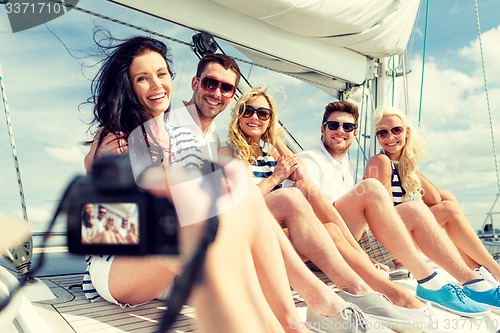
(112, 143)
(291, 163)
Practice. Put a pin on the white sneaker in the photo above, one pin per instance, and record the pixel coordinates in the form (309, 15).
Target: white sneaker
(350, 319)
(425, 317)
(377, 306)
(487, 276)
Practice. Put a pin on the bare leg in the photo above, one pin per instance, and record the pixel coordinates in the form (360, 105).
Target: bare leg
(267, 258)
(433, 241)
(315, 293)
(134, 280)
(230, 278)
(309, 238)
(326, 212)
(272, 275)
(351, 251)
(363, 266)
(369, 204)
(452, 219)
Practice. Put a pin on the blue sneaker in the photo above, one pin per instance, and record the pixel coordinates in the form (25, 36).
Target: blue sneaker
(453, 299)
(490, 298)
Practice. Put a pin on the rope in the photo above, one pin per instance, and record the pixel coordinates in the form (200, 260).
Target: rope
(393, 69)
(191, 45)
(70, 6)
(405, 82)
(423, 61)
(13, 145)
(487, 94)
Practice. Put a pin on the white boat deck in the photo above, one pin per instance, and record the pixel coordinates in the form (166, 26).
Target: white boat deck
(70, 312)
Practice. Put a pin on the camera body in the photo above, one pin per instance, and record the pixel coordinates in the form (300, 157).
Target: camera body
(112, 188)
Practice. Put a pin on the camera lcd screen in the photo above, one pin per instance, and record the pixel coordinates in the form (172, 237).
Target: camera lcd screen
(107, 223)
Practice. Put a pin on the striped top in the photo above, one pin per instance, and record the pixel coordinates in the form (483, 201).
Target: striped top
(263, 168)
(184, 153)
(397, 190)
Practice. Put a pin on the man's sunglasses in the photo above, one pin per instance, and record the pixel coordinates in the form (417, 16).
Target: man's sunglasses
(210, 83)
(246, 111)
(383, 133)
(334, 125)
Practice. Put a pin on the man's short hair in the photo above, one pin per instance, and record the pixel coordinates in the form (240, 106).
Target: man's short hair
(222, 59)
(341, 106)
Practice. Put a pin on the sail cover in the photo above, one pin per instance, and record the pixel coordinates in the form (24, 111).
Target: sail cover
(324, 42)
(373, 28)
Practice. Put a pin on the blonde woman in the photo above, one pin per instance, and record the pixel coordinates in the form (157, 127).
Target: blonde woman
(132, 234)
(397, 168)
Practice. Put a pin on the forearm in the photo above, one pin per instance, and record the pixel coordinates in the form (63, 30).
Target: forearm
(268, 184)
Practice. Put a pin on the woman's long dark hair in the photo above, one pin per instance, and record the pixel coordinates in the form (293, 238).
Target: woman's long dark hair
(86, 218)
(116, 108)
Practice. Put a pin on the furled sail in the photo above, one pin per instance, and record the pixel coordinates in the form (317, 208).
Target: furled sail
(324, 42)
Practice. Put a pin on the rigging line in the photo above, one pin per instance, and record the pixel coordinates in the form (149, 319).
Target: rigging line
(411, 41)
(13, 145)
(363, 106)
(423, 61)
(70, 6)
(363, 149)
(486, 92)
(405, 83)
(174, 102)
(393, 71)
(373, 105)
(191, 45)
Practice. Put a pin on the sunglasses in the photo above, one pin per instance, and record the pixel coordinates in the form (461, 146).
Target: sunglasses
(209, 83)
(246, 111)
(383, 133)
(334, 125)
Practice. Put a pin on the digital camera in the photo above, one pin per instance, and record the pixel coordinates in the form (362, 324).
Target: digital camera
(107, 213)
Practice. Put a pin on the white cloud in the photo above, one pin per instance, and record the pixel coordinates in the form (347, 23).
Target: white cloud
(491, 49)
(66, 154)
(455, 9)
(456, 121)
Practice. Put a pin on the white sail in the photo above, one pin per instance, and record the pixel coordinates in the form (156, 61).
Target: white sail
(326, 43)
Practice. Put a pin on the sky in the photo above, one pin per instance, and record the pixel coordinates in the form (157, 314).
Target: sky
(47, 72)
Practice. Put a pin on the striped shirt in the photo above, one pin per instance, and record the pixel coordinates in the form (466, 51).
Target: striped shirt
(263, 168)
(397, 190)
(185, 151)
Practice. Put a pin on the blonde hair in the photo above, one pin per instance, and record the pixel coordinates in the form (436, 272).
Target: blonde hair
(110, 223)
(411, 154)
(241, 144)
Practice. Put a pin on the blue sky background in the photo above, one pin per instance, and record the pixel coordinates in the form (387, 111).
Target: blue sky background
(45, 86)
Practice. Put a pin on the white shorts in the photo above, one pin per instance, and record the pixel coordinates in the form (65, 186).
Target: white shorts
(99, 272)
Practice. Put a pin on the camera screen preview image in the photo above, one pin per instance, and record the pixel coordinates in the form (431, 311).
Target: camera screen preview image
(110, 223)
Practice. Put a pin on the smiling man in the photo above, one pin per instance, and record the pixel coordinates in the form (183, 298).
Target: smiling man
(214, 86)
